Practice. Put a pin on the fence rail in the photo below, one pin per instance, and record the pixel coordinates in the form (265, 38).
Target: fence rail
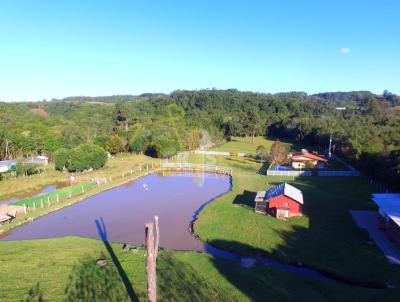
(197, 167)
(339, 173)
(288, 173)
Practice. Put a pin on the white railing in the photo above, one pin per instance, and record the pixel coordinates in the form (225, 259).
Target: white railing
(197, 167)
(210, 152)
(289, 173)
(339, 173)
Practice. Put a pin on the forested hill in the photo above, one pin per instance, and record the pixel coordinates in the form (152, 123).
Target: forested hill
(365, 127)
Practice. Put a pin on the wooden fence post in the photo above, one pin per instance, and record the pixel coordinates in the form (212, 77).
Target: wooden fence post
(83, 190)
(58, 200)
(34, 206)
(41, 203)
(25, 210)
(152, 241)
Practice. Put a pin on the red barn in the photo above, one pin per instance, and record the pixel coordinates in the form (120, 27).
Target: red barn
(281, 201)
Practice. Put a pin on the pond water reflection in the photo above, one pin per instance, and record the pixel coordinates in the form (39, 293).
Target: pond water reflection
(125, 209)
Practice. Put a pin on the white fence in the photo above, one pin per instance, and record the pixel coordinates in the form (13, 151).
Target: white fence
(196, 167)
(339, 173)
(289, 173)
(207, 152)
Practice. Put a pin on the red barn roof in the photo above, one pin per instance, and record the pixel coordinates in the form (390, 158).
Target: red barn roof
(284, 189)
(301, 155)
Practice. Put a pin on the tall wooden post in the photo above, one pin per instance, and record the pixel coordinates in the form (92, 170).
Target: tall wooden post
(152, 241)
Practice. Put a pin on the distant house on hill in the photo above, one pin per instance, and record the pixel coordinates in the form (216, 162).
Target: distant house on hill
(281, 201)
(37, 160)
(301, 159)
(6, 165)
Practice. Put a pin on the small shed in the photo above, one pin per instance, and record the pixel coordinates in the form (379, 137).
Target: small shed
(281, 201)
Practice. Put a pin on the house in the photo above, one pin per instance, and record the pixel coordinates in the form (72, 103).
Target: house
(37, 160)
(304, 158)
(7, 165)
(281, 201)
(389, 212)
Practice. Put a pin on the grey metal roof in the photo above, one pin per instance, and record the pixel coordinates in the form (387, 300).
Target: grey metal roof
(284, 189)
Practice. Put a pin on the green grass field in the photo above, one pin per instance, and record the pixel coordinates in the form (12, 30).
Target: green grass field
(182, 276)
(245, 145)
(325, 238)
(52, 196)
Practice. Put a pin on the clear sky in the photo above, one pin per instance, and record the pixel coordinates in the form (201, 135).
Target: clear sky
(64, 48)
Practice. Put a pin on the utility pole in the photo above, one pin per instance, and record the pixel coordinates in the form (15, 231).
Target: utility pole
(152, 241)
(330, 146)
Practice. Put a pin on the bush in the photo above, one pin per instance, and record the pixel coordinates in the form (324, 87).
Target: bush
(27, 169)
(115, 145)
(163, 147)
(81, 158)
(61, 158)
(85, 157)
(138, 144)
(102, 140)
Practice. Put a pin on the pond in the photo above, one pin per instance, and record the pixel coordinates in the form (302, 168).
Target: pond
(175, 198)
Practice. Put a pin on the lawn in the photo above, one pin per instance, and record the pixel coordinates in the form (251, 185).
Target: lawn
(246, 145)
(182, 276)
(325, 238)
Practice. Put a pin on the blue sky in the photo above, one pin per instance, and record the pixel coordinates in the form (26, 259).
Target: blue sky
(64, 48)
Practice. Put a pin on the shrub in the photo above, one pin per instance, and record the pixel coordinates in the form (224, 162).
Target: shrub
(138, 144)
(26, 169)
(86, 156)
(61, 158)
(163, 147)
(115, 145)
(102, 140)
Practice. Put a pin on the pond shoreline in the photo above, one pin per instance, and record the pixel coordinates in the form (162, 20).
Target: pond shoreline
(294, 268)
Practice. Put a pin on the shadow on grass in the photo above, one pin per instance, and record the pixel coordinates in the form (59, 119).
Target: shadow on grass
(101, 228)
(179, 281)
(326, 240)
(245, 199)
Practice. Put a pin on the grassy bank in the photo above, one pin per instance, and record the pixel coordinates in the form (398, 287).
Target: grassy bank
(245, 145)
(24, 187)
(325, 238)
(182, 276)
(139, 170)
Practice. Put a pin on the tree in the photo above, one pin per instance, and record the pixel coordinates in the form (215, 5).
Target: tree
(252, 124)
(279, 153)
(163, 146)
(61, 158)
(102, 140)
(115, 145)
(261, 153)
(86, 156)
(193, 139)
(138, 144)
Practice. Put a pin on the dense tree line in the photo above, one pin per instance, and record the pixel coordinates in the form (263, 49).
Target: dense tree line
(364, 126)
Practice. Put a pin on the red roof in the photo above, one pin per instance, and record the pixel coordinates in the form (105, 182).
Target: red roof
(309, 156)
